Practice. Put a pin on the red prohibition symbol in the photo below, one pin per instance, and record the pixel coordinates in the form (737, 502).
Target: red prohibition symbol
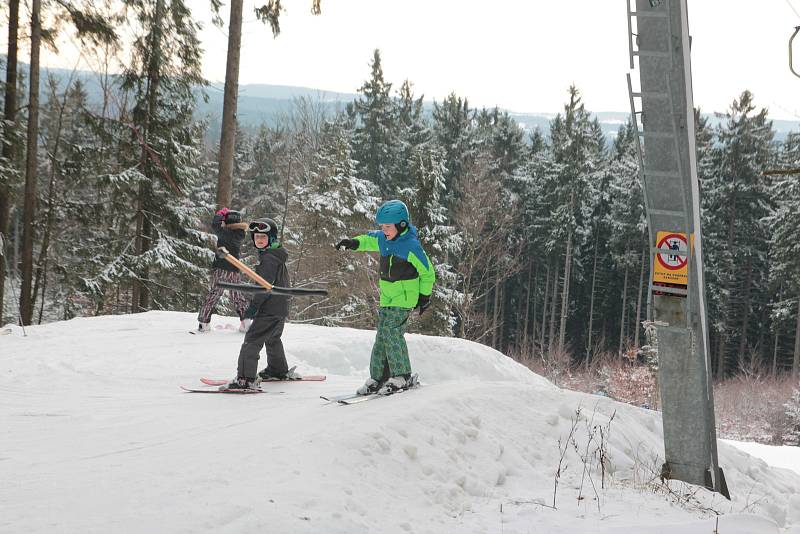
(673, 262)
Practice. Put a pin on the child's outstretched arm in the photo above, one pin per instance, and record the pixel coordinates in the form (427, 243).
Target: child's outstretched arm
(362, 243)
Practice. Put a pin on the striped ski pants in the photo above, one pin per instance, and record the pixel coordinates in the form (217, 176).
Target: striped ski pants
(240, 301)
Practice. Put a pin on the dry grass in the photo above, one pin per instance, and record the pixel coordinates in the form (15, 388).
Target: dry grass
(748, 406)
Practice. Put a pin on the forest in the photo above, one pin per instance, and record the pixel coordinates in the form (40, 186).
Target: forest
(539, 238)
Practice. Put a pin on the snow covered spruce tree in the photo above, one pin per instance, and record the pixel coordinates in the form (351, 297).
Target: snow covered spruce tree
(66, 200)
(784, 272)
(453, 129)
(158, 251)
(627, 230)
(526, 183)
(375, 143)
(502, 140)
(569, 184)
(736, 201)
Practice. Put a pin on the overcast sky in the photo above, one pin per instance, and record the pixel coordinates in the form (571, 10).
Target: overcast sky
(519, 55)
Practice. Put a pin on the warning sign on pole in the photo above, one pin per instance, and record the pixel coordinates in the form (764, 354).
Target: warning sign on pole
(669, 267)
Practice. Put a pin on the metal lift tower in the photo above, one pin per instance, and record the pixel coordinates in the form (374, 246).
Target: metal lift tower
(658, 36)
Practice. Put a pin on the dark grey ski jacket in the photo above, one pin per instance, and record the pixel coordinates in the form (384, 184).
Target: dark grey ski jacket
(272, 268)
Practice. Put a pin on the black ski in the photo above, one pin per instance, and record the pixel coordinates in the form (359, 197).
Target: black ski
(286, 291)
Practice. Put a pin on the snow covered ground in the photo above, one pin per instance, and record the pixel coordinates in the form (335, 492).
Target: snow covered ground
(98, 437)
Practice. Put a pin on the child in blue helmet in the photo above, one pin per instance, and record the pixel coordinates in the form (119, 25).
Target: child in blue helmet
(406, 283)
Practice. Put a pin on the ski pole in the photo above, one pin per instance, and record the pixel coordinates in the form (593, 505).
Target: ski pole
(223, 253)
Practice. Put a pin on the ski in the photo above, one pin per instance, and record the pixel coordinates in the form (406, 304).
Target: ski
(287, 291)
(310, 378)
(224, 391)
(364, 398)
(337, 398)
(356, 399)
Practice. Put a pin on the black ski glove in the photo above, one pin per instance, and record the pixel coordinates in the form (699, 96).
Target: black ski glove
(423, 303)
(350, 244)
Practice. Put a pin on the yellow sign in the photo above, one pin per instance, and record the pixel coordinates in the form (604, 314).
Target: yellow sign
(671, 268)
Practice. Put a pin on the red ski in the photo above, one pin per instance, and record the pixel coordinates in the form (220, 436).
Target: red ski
(225, 391)
(309, 378)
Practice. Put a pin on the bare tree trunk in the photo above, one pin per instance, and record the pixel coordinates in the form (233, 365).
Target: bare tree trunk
(721, 349)
(746, 308)
(502, 334)
(29, 204)
(562, 328)
(553, 299)
(638, 325)
(723, 309)
(527, 302)
(523, 316)
(229, 104)
(624, 314)
(775, 354)
(591, 304)
(42, 263)
(777, 339)
(544, 305)
(141, 292)
(796, 360)
(496, 313)
(136, 285)
(9, 116)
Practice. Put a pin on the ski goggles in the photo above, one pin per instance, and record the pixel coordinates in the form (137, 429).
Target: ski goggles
(259, 227)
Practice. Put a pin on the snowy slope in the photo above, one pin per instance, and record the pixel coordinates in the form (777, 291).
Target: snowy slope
(97, 437)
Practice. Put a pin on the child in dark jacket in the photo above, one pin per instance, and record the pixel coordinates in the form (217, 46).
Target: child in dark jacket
(228, 227)
(268, 312)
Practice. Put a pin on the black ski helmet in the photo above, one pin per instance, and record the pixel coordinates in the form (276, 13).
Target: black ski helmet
(233, 217)
(264, 225)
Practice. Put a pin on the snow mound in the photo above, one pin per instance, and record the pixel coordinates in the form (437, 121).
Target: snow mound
(98, 438)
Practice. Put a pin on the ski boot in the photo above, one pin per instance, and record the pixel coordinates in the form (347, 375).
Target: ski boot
(266, 376)
(239, 383)
(370, 386)
(398, 383)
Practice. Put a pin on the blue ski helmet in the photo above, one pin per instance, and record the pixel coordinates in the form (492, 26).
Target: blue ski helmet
(393, 212)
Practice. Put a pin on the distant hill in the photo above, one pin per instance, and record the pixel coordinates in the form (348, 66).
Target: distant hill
(263, 103)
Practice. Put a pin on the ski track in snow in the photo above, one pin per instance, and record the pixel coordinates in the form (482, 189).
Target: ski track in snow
(98, 437)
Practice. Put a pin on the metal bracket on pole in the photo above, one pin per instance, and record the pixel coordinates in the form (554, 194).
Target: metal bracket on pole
(791, 63)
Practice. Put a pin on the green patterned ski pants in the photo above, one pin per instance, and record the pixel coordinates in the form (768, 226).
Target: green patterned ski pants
(390, 352)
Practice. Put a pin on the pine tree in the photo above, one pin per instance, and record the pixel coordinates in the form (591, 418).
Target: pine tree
(453, 129)
(627, 228)
(784, 262)
(375, 139)
(736, 202)
(412, 132)
(570, 179)
(162, 166)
